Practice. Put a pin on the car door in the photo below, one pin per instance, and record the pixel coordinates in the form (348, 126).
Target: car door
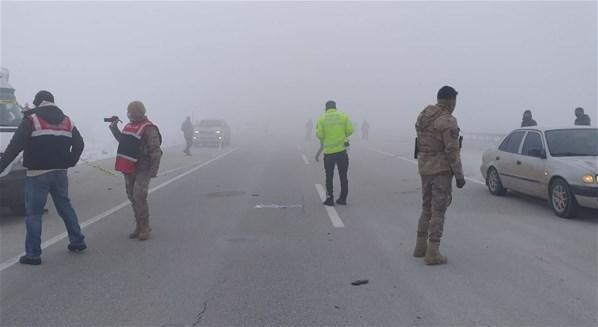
(506, 160)
(531, 165)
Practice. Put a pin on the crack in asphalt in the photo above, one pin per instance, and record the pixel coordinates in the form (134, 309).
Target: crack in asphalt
(200, 314)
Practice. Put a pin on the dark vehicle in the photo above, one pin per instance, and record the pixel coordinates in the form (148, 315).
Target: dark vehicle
(12, 180)
(212, 132)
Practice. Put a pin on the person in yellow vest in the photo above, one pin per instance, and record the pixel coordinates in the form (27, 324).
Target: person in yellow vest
(333, 129)
(138, 158)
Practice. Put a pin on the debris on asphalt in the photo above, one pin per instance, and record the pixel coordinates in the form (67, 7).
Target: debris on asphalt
(360, 282)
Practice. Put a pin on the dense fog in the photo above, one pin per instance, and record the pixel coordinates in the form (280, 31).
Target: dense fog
(273, 65)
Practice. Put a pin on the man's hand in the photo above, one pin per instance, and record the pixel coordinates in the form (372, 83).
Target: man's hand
(460, 182)
(114, 124)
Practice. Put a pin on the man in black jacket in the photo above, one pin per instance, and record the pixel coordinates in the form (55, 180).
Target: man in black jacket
(51, 144)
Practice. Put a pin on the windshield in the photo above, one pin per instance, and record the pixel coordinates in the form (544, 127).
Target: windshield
(211, 123)
(10, 113)
(573, 142)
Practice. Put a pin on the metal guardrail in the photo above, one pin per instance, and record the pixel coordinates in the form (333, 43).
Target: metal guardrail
(484, 137)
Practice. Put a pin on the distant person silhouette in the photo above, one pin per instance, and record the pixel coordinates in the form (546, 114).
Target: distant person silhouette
(527, 120)
(582, 119)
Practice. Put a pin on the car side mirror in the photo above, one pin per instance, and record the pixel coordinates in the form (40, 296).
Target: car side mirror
(538, 153)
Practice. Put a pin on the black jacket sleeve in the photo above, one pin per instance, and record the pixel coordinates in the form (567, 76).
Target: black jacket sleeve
(116, 132)
(17, 144)
(76, 147)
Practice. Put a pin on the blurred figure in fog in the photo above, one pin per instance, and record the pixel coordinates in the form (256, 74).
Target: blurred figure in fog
(582, 119)
(138, 158)
(527, 120)
(309, 129)
(365, 130)
(188, 131)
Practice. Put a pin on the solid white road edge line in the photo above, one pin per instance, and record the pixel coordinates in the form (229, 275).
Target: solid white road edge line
(10, 262)
(334, 217)
(471, 179)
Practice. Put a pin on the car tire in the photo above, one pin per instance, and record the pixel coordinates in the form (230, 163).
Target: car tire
(562, 199)
(494, 183)
(18, 208)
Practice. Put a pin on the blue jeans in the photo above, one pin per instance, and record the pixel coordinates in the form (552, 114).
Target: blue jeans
(36, 193)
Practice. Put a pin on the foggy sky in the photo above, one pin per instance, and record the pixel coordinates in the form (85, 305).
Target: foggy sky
(279, 62)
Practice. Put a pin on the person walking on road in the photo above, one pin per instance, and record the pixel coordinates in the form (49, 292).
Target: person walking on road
(188, 131)
(439, 159)
(51, 144)
(333, 130)
(309, 130)
(365, 130)
(528, 120)
(138, 158)
(582, 119)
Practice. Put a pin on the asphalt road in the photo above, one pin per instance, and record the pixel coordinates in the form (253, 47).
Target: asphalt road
(241, 238)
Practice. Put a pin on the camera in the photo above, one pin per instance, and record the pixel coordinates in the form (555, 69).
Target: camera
(111, 119)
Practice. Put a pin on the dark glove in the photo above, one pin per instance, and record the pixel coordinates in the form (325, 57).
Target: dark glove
(460, 182)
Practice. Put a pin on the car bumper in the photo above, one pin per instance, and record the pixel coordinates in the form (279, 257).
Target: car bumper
(208, 139)
(586, 196)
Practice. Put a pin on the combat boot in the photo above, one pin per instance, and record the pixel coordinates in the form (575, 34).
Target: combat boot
(144, 230)
(421, 245)
(135, 233)
(433, 256)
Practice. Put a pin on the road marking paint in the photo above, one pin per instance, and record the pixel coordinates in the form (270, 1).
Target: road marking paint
(305, 159)
(392, 155)
(10, 262)
(277, 206)
(334, 217)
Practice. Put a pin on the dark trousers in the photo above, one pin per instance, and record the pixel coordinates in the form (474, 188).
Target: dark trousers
(189, 141)
(340, 159)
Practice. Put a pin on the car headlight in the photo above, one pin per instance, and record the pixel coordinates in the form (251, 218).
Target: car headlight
(196, 132)
(588, 179)
(218, 132)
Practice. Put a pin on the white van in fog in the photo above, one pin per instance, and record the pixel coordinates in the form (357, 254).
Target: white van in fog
(12, 180)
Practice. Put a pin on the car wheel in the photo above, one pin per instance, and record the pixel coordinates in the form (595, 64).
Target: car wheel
(562, 200)
(18, 209)
(494, 183)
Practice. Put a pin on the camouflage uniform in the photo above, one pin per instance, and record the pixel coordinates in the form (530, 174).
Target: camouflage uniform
(438, 161)
(137, 183)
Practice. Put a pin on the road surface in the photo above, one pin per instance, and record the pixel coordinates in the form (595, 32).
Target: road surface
(240, 238)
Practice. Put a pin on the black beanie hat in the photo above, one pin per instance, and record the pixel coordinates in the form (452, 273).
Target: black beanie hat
(447, 93)
(42, 96)
(330, 105)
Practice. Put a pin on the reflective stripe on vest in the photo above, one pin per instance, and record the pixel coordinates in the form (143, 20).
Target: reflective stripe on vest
(130, 146)
(43, 128)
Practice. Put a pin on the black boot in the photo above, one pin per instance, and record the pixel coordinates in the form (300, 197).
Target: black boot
(329, 201)
(35, 261)
(77, 247)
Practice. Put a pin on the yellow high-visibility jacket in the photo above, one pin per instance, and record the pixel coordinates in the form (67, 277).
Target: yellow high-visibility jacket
(333, 129)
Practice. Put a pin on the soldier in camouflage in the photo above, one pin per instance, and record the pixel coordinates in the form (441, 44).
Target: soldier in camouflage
(146, 167)
(439, 160)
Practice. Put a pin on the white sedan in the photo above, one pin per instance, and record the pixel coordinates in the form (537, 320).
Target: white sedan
(559, 165)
